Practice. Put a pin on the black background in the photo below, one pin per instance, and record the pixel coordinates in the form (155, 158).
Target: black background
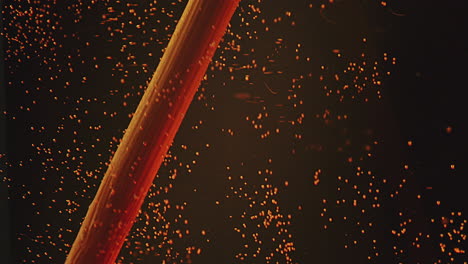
(423, 96)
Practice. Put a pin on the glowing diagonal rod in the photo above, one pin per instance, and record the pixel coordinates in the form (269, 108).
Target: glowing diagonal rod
(151, 131)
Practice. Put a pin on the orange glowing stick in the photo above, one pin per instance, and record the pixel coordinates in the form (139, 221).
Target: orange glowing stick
(151, 131)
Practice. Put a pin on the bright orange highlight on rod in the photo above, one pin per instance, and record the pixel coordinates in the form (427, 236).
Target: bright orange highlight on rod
(151, 131)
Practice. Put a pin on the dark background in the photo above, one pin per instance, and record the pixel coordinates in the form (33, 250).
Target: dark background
(422, 102)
